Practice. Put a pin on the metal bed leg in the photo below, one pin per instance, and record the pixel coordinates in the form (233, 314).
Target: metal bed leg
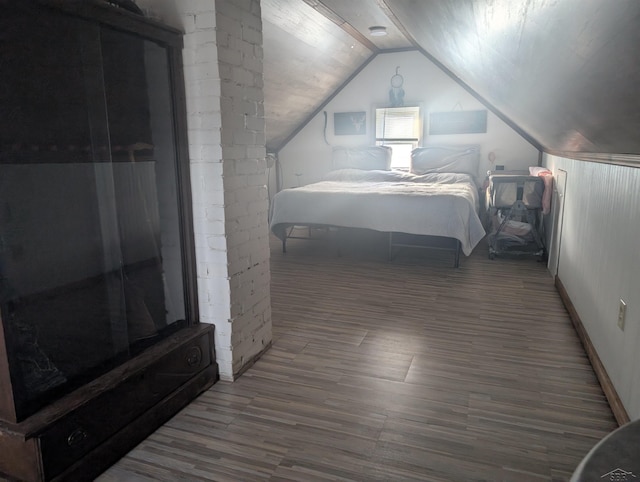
(456, 260)
(286, 236)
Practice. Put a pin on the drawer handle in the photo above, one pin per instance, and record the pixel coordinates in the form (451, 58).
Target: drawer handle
(194, 356)
(76, 438)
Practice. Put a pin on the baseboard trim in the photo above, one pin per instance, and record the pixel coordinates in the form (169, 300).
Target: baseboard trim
(609, 390)
(251, 362)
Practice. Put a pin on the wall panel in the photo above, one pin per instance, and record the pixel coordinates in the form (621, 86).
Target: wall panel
(599, 263)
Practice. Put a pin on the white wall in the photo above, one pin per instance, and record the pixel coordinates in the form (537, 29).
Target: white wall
(308, 155)
(599, 263)
(202, 85)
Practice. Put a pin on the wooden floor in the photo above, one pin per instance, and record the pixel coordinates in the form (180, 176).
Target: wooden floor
(409, 370)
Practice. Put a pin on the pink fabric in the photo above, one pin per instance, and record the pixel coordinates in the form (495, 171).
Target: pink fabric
(547, 177)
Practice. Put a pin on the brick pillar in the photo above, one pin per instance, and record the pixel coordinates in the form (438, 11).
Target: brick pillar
(239, 39)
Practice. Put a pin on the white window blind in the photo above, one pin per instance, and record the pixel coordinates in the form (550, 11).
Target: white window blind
(401, 129)
(398, 124)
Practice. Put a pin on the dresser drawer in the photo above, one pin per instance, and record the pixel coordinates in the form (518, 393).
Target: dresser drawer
(83, 429)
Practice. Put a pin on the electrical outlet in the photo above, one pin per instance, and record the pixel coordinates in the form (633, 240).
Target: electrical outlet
(622, 312)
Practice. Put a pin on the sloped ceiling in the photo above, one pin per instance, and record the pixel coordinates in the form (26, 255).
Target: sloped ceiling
(306, 58)
(565, 72)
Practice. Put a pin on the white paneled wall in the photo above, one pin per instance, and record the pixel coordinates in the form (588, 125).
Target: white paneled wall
(599, 264)
(223, 79)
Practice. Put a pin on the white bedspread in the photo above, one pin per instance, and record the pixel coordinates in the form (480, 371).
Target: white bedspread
(445, 206)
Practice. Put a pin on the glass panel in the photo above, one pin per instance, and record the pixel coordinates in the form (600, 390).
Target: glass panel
(61, 289)
(91, 264)
(139, 106)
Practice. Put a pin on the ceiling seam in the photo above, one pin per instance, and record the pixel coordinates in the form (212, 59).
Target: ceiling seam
(329, 14)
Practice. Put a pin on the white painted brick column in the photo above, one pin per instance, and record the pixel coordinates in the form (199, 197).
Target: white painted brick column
(225, 121)
(239, 36)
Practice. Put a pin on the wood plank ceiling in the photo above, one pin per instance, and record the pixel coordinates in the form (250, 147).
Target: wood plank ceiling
(566, 72)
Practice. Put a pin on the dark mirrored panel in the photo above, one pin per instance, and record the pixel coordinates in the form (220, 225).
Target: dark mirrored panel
(91, 263)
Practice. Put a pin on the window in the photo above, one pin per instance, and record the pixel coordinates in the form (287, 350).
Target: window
(401, 129)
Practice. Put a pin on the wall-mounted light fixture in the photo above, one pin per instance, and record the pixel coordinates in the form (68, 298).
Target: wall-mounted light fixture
(377, 31)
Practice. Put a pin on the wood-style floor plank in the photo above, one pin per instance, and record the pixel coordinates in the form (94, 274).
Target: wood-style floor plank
(403, 370)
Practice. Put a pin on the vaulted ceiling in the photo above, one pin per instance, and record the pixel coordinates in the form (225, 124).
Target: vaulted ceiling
(566, 73)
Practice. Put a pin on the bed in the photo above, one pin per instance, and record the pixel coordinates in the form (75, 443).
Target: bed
(436, 200)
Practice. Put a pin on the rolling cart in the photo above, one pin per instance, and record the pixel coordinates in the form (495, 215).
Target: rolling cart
(514, 203)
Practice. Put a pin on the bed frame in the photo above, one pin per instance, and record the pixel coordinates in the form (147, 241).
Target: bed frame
(461, 159)
(417, 241)
(395, 240)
